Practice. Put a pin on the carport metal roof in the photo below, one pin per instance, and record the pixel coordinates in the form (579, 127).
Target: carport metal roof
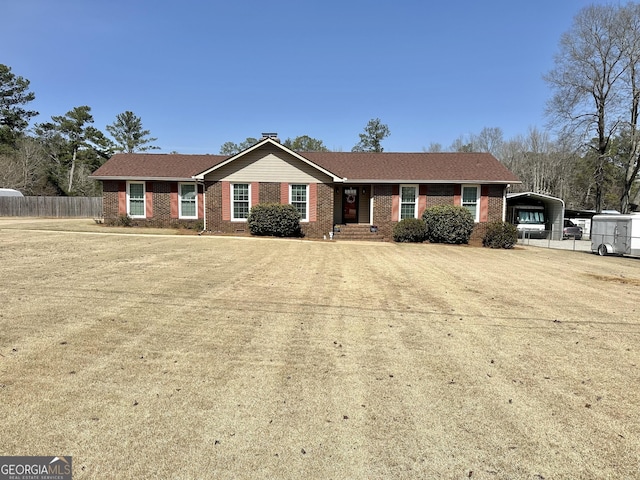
(554, 208)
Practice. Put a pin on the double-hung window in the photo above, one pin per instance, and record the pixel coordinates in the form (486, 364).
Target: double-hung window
(299, 198)
(188, 202)
(135, 199)
(240, 201)
(408, 201)
(470, 200)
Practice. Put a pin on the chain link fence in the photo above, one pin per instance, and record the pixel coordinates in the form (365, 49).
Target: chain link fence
(571, 243)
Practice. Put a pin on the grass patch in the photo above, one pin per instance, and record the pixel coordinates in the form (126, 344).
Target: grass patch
(190, 357)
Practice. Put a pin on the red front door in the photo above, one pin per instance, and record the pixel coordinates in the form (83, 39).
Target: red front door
(350, 205)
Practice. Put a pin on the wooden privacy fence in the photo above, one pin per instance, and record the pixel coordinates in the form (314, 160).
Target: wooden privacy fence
(89, 207)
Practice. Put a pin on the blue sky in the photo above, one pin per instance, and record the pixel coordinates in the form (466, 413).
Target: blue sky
(200, 73)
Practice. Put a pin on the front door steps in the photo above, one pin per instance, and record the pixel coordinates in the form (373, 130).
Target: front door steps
(357, 231)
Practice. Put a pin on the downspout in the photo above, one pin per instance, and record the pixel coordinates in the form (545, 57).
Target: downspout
(204, 208)
(504, 202)
(371, 204)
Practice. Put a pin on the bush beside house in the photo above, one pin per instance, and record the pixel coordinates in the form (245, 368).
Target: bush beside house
(410, 230)
(500, 235)
(122, 220)
(274, 219)
(448, 224)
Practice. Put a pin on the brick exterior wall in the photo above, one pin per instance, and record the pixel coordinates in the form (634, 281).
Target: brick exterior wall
(437, 194)
(324, 214)
(382, 208)
(269, 193)
(440, 194)
(110, 199)
(495, 195)
(213, 206)
(161, 205)
(163, 217)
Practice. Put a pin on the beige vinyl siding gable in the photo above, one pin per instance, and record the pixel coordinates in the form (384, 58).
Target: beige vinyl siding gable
(268, 164)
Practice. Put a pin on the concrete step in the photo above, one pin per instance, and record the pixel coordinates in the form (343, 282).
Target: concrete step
(357, 232)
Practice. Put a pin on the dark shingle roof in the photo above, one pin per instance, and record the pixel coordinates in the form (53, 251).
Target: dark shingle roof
(414, 166)
(155, 165)
(354, 166)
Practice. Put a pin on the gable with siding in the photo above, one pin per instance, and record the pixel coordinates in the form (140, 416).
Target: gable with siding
(269, 164)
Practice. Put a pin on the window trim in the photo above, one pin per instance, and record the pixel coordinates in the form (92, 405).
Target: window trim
(233, 201)
(180, 214)
(476, 203)
(306, 185)
(144, 199)
(415, 200)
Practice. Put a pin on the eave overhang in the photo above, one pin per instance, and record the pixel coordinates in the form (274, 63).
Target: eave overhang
(142, 179)
(444, 182)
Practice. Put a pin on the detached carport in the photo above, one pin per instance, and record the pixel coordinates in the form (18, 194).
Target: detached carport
(553, 207)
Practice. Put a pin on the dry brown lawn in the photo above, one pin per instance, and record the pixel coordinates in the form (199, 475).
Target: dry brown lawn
(220, 358)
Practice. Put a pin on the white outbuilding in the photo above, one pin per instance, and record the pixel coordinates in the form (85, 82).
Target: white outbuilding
(552, 218)
(10, 192)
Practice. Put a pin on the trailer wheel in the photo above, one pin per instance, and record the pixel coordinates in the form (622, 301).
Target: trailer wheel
(602, 250)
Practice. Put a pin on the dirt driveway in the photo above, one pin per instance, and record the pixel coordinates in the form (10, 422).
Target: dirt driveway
(212, 357)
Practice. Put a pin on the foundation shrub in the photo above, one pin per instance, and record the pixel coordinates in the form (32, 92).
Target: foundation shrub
(448, 224)
(500, 235)
(410, 230)
(196, 225)
(122, 220)
(274, 219)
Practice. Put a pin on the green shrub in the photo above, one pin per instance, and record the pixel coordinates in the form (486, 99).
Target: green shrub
(274, 219)
(448, 224)
(410, 230)
(500, 235)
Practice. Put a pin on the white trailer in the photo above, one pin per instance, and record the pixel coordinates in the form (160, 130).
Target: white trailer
(616, 234)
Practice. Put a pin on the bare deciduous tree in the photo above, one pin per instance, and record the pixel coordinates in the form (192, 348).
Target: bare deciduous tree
(434, 147)
(630, 31)
(489, 140)
(595, 87)
(537, 161)
(23, 168)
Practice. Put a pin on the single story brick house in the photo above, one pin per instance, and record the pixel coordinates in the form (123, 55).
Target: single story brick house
(327, 188)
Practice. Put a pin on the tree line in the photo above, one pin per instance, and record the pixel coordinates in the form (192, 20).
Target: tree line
(592, 163)
(554, 167)
(596, 97)
(370, 141)
(57, 156)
